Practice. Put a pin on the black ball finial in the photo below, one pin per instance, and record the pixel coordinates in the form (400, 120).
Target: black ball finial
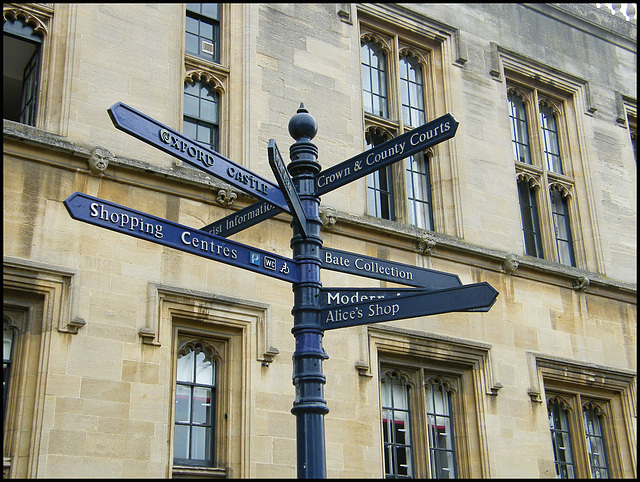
(303, 124)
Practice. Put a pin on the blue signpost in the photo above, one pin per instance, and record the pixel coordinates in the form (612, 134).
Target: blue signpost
(315, 309)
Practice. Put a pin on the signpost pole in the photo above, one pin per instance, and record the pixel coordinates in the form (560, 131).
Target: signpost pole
(309, 405)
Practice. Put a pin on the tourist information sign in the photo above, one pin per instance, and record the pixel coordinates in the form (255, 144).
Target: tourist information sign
(242, 219)
(286, 184)
(315, 309)
(140, 225)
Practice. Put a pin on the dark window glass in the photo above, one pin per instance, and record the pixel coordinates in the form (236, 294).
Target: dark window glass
(562, 227)
(202, 30)
(379, 185)
(195, 406)
(374, 79)
(442, 454)
(411, 87)
(550, 135)
(561, 440)
(396, 430)
(595, 444)
(21, 72)
(419, 192)
(519, 129)
(7, 362)
(530, 221)
(201, 111)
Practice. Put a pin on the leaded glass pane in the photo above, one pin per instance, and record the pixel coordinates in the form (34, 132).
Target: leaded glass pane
(595, 444)
(550, 135)
(442, 455)
(185, 367)
(396, 428)
(181, 442)
(519, 129)
(561, 440)
(374, 79)
(562, 226)
(411, 89)
(183, 404)
(195, 405)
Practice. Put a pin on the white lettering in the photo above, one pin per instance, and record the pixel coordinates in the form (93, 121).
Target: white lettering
(377, 310)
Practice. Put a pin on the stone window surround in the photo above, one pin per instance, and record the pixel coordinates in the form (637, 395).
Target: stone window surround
(417, 357)
(572, 95)
(228, 323)
(41, 299)
(215, 74)
(393, 45)
(577, 383)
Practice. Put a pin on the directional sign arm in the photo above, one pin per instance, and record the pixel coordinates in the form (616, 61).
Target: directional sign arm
(286, 184)
(242, 219)
(195, 154)
(393, 150)
(386, 270)
(144, 226)
(402, 306)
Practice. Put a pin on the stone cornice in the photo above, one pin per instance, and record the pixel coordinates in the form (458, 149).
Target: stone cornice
(594, 21)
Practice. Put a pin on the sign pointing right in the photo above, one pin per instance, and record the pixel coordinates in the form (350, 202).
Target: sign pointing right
(393, 150)
(461, 298)
(386, 270)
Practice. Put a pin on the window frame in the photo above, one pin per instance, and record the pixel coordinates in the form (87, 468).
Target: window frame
(535, 98)
(196, 119)
(33, 32)
(466, 366)
(396, 46)
(185, 328)
(417, 376)
(212, 74)
(215, 23)
(613, 390)
(213, 346)
(392, 445)
(447, 386)
(534, 216)
(575, 402)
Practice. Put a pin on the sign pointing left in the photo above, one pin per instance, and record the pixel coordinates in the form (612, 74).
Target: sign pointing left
(149, 130)
(140, 225)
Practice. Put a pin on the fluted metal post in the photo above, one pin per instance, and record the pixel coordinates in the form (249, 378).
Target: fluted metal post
(309, 405)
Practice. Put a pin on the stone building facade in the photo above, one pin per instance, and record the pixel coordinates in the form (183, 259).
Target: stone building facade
(126, 358)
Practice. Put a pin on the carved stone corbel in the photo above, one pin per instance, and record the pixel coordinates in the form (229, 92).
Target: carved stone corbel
(148, 336)
(99, 160)
(225, 198)
(510, 264)
(581, 283)
(268, 356)
(364, 370)
(329, 217)
(73, 326)
(427, 243)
